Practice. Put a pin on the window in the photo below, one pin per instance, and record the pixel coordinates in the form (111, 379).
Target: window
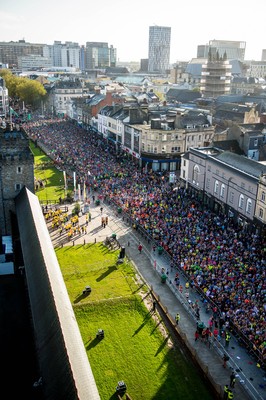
(19, 170)
(208, 183)
(195, 177)
(263, 196)
(17, 187)
(184, 174)
(261, 213)
(231, 197)
(222, 191)
(209, 168)
(255, 142)
(163, 149)
(248, 206)
(216, 187)
(175, 149)
(149, 148)
(241, 201)
(184, 163)
(155, 150)
(199, 137)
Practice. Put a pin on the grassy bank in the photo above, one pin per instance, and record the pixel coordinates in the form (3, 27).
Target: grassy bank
(136, 348)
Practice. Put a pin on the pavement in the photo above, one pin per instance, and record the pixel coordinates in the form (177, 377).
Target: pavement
(250, 379)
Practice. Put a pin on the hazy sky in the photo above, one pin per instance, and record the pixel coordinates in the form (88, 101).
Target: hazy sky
(125, 24)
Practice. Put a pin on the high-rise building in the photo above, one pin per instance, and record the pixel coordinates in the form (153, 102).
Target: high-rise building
(159, 49)
(99, 55)
(234, 50)
(263, 55)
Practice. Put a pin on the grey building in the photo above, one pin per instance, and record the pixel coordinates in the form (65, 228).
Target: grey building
(226, 182)
(99, 55)
(251, 138)
(159, 49)
(235, 50)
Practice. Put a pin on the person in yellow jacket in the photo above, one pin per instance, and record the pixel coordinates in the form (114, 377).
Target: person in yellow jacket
(226, 388)
(177, 318)
(230, 394)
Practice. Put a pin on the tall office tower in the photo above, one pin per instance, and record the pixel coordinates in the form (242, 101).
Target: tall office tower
(263, 55)
(99, 55)
(113, 56)
(233, 49)
(216, 76)
(159, 48)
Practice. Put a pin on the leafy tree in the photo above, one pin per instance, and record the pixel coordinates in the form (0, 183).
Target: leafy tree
(25, 89)
(29, 91)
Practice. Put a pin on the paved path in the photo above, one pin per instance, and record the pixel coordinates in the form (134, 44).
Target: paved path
(250, 379)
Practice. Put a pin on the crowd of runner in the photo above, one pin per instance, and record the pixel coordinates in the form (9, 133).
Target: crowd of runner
(219, 258)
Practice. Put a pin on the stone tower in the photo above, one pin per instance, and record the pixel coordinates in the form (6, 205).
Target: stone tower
(16, 171)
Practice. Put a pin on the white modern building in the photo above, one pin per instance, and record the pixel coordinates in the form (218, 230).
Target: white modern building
(159, 49)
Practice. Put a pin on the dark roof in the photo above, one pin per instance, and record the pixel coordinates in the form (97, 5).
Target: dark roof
(116, 70)
(242, 163)
(193, 119)
(106, 110)
(230, 145)
(95, 100)
(181, 95)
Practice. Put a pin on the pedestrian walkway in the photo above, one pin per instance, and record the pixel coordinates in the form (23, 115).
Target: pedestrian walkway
(250, 378)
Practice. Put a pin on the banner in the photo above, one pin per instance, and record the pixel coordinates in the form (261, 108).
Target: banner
(84, 192)
(12, 112)
(65, 181)
(74, 180)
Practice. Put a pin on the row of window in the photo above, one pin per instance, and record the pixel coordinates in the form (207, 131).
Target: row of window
(231, 197)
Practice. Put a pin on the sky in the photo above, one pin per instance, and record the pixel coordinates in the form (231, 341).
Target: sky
(125, 24)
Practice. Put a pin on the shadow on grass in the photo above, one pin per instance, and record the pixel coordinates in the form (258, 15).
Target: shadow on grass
(106, 273)
(139, 288)
(147, 317)
(93, 343)
(156, 327)
(115, 397)
(81, 297)
(162, 346)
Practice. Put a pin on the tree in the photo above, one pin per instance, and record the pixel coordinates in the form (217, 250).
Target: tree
(25, 89)
(31, 92)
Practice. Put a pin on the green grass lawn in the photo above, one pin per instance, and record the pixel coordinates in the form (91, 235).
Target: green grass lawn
(134, 348)
(45, 170)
